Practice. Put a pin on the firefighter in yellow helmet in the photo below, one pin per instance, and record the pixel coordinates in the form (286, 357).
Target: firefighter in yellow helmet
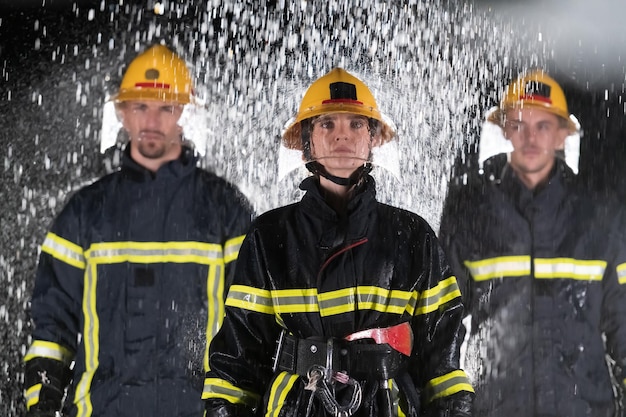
(541, 262)
(150, 101)
(340, 304)
(129, 286)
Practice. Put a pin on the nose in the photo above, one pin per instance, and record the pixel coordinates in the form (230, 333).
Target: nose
(342, 131)
(153, 118)
(529, 134)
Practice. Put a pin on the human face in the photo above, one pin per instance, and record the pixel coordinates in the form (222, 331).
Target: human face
(152, 126)
(536, 135)
(341, 142)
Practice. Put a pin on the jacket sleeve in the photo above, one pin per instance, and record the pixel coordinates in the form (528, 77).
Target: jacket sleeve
(55, 312)
(452, 233)
(439, 332)
(614, 305)
(238, 217)
(240, 354)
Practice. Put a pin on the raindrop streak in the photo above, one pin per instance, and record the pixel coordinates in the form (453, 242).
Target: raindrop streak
(433, 66)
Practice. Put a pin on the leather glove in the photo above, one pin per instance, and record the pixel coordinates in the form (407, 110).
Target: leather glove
(40, 413)
(54, 376)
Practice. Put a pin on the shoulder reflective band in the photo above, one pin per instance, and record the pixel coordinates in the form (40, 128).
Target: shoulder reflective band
(399, 337)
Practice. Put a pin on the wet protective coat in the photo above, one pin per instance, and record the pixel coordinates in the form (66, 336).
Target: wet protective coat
(543, 275)
(130, 286)
(319, 276)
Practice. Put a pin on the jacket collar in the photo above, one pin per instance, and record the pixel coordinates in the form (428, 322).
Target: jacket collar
(184, 165)
(545, 196)
(364, 195)
(339, 229)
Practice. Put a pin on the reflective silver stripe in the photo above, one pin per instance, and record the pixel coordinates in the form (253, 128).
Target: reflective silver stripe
(295, 301)
(544, 268)
(384, 300)
(31, 395)
(337, 302)
(91, 334)
(250, 298)
(621, 273)
(449, 384)
(154, 252)
(278, 392)
(343, 300)
(500, 267)
(215, 295)
(219, 388)
(50, 350)
(433, 298)
(63, 250)
(591, 270)
(231, 248)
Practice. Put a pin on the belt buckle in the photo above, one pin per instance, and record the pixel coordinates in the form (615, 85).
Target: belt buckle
(279, 347)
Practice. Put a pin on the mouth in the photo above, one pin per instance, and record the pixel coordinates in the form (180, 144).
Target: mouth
(150, 135)
(532, 151)
(344, 150)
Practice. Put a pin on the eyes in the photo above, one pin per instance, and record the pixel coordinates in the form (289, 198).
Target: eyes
(330, 124)
(517, 126)
(165, 109)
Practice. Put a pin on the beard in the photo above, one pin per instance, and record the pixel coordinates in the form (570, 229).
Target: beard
(151, 149)
(153, 144)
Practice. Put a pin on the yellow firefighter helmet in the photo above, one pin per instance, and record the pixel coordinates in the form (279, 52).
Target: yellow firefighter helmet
(156, 74)
(534, 89)
(336, 92)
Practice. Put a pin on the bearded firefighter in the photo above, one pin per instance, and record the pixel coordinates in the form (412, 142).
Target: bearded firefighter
(128, 290)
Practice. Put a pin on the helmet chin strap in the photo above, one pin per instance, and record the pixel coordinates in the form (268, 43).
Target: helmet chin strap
(356, 177)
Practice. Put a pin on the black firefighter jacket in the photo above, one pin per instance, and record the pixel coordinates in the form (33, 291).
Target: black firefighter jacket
(303, 269)
(130, 287)
(543, 275)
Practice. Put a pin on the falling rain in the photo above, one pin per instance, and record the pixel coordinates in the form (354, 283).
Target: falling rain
(435, 67)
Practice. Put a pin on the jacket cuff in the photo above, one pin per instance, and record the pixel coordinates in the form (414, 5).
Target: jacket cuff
(45, 381)
(222, 408)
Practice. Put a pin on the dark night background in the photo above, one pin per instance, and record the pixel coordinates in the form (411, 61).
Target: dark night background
(59, 58)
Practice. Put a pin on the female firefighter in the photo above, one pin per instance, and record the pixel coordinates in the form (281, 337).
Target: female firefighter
(340, 304)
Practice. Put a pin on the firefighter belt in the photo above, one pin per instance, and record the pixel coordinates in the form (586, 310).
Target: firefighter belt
(373, 354)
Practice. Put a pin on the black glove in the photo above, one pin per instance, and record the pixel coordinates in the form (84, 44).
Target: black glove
(39, 413)
(457, 405)
(222, 408)
(53, 376)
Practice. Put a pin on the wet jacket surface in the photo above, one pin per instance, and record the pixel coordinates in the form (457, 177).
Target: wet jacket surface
(304, 269)
(543, 275)
(130, 286)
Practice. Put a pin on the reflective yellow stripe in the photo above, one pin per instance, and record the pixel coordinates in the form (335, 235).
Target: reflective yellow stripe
(544, 268)
(500, 267)
(91, 338)
(31, 395)
(384, 300)
(446, 385)
(231, 248)
(570, 268)
(154, 252)
(250, 298)
(433, 298)
(219, 388)
(278, 392)
(63, 250)
(295, 301)
(344, 300)
(215, 295)
(50, 350)
(621, 273)
(200, 253)
(337, 302)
